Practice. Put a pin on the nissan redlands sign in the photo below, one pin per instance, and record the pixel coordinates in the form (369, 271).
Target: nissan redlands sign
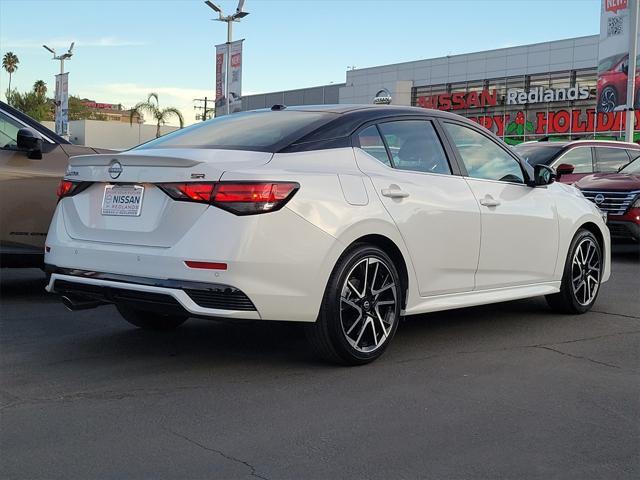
(541, 94)
(490, 98)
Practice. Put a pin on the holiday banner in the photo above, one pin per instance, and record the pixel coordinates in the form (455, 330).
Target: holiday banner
(62, 104)
(235, 77)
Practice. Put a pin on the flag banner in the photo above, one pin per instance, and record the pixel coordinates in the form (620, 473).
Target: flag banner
(235, 77)
(613, 54)
(62, 104)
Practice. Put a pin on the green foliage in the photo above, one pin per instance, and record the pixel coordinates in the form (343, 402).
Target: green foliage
(40, 88)
(36, 106)
(152, 107)
(78, 111)
(10, 63)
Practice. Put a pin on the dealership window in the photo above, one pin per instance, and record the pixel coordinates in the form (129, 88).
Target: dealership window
(580, 158)
(371, 142)
(611, 159)
(415, 146)
(482, 157)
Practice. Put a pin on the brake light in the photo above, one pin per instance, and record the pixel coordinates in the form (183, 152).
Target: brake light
(239, 198)
(67, 188)
(190, 192)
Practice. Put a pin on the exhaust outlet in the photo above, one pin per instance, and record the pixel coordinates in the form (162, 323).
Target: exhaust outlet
(74, 304)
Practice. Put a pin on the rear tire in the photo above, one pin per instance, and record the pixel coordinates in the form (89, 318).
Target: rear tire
(581, 277)
(360, 310)
(150, 320)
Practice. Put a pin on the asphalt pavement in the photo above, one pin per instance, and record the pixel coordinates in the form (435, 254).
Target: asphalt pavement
(509, 391)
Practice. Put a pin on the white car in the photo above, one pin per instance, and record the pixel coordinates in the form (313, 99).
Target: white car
(344, 217)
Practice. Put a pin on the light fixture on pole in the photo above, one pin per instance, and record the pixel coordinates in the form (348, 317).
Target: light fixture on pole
(61, 127)
(229, 19)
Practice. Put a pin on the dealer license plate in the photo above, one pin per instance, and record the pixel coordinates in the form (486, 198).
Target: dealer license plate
(122, 200)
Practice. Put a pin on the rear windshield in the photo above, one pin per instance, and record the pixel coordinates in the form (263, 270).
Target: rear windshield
(536, 154)
(265, 131)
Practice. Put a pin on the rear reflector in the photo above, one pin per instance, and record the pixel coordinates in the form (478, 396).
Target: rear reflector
(240, 198)
(206, 265)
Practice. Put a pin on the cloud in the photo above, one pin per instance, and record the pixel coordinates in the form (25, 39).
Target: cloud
(64, 43)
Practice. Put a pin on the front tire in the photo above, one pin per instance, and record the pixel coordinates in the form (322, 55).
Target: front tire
(360, 310)
(608, 99)
(150, 320)
(581, 277)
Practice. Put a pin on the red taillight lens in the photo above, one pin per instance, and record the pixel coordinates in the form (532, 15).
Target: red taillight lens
(67, 188)
(240, 198)
(190, 192)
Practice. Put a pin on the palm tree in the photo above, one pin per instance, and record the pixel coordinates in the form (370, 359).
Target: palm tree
(152, 107)
(40, 88)
(10, 63)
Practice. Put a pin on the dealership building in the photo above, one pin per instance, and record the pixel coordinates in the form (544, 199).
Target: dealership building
(520, 93)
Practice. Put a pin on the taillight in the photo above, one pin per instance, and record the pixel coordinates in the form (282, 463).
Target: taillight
(67, 188)
(240, 198)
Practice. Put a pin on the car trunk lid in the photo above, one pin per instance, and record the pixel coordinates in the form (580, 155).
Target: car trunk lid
(161, 221)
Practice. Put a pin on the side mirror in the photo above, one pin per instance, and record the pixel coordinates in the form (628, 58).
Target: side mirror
(564, 169)
(30, 141)
(544, 175)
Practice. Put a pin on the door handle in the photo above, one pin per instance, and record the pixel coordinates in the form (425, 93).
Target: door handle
(394, 193)
(489, 201)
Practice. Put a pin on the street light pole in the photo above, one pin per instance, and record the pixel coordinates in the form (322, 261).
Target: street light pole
(229, 19)
(58, 103)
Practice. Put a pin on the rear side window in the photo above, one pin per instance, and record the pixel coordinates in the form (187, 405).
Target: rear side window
(633, 154)
(482, 157)
(414, 145)
(260, 131)
(580, 157)
(371, 142)
(611, 159)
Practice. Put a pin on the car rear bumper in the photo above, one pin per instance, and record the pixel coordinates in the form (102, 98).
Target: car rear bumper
(83, 289)
(281, 283)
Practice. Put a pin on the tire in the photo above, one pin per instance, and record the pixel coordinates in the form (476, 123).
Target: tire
(150, 320)
(608, 100)
(357, 321)
(581, 276)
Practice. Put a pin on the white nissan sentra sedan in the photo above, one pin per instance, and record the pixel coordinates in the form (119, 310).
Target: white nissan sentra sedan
(344, 217)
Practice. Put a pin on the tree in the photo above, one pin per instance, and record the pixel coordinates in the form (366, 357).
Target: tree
(40, 88)
(36, 106)
(77, 109)
(10, 63)
(152, 107)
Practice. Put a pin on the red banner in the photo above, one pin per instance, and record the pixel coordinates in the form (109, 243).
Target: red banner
(556, 122)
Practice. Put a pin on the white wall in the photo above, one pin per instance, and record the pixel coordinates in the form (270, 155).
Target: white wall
(112, 135)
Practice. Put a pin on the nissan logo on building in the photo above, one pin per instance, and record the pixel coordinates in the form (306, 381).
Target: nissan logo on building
(115, 169)
(383, 97)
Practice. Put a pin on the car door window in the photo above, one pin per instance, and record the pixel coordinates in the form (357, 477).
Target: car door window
(8, 131)
(581, 159)
(414, 145)
(482, 157)
(371, 142)
(611, 159)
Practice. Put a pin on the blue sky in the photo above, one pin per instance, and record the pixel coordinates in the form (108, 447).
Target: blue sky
(125, 49)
